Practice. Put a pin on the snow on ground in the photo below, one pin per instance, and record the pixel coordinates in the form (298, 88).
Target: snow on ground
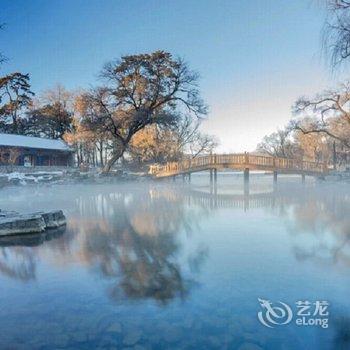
(17, 178)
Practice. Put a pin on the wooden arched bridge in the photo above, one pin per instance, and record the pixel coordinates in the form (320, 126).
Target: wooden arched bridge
(242, 161)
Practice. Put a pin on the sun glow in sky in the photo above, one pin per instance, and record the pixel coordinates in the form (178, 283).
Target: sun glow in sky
(255, 57)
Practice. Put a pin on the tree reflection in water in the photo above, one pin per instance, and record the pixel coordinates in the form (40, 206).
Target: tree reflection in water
(18, 259)
(317, 218)
(133, 237)
(18, 263)
(137, 243)
(320, 227)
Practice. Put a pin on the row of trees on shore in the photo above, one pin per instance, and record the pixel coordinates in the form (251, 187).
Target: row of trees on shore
(318, 131)
(148, 108)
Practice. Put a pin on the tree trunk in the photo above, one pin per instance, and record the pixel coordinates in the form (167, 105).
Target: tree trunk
(81, 155)
(101, 154)
(106, 154)
(114, 158)
(78, 156)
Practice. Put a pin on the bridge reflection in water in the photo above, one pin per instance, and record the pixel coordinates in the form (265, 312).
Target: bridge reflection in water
(214, 200)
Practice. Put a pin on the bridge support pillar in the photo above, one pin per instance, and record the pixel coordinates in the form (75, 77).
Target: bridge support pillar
(303, 178)
(275, 177)
(246, 175)
(211, 175)
(246, 189)
(189, 177)
(215, 175)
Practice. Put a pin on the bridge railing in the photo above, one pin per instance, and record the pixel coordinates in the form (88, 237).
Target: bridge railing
(242, 159)
(260, 160)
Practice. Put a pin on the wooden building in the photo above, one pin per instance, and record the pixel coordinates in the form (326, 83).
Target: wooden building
(34, 151)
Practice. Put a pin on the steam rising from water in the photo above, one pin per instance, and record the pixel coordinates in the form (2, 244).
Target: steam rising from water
(168, 258)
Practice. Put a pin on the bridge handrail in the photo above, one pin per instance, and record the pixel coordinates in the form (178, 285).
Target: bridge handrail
(239, 159)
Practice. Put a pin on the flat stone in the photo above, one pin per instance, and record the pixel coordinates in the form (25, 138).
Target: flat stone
(61, 340)
(22, 224)
(79, 336)
(215, 341)
(172, 334)
(139, 347)
(12, 223)
(19, 346)
(8, 214)
(132, 337)
(250, 346)
(53, 219)
(235, 329)
(115, 328)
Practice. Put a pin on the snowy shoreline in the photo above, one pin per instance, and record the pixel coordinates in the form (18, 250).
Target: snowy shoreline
(63, 177)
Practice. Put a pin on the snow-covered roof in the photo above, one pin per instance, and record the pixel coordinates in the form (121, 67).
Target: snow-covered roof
(32, 142)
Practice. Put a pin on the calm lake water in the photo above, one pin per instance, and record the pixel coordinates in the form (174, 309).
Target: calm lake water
(170, 265)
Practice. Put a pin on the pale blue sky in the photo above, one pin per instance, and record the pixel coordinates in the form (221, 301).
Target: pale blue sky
(254, 57)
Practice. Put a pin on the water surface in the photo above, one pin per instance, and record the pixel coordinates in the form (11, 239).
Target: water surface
(177, 266)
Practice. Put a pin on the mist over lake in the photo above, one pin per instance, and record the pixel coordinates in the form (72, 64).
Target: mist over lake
(177, 265)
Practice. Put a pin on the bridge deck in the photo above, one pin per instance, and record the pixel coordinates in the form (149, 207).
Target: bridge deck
(239, 161)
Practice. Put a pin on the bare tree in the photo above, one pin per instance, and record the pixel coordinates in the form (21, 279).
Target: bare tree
(141, 90)
(203, 144)
(336, 35)
(190, 141)
(328, 114)
(278, 144)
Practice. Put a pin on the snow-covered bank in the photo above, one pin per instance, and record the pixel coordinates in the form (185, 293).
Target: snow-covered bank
(67, 176)
(17, 178)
